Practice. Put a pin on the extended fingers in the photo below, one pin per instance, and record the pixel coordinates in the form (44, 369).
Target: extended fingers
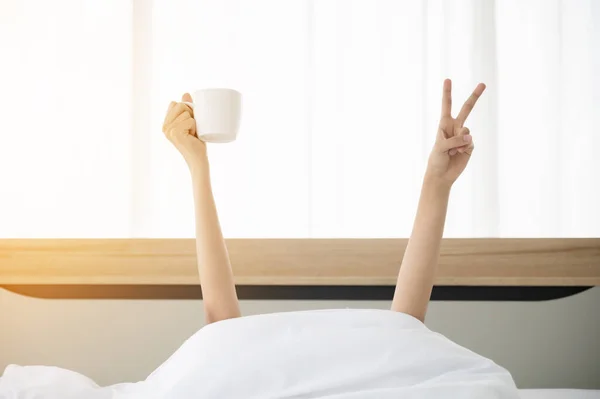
(447, 98)
(470, 103)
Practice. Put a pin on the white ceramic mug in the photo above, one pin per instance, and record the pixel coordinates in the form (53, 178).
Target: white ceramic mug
(217, 113)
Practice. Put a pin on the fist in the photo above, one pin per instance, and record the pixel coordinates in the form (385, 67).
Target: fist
(179, 128)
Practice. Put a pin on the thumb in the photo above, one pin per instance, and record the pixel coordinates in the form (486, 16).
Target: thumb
(455, 142)
(187, 98)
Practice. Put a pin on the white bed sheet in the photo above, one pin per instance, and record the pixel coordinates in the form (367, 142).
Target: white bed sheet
(335, 354)
(559, 394)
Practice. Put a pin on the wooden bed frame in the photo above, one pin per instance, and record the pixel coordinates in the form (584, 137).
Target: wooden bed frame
(297, 262)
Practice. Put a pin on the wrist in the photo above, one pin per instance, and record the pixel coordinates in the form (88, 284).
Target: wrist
(198, 166)
(437, 184)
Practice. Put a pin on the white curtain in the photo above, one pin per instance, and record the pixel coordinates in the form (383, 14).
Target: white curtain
(341, 101)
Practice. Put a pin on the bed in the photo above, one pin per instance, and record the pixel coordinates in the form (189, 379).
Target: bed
(333, 353)
(29, 266)
(559, 394)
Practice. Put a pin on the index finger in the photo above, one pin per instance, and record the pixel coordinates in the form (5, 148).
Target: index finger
(447, 98)
(470, 103)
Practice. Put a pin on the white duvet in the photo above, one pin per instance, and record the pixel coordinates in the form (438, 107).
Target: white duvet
(332, 354)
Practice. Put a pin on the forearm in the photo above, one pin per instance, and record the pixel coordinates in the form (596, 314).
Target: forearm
(417, 272)
(216, 277)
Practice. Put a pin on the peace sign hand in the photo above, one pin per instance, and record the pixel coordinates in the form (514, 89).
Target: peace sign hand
(454, 143)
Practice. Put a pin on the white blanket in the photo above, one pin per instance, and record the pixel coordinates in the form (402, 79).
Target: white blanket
(333, 354)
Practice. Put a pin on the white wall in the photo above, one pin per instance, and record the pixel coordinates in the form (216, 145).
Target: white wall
(544, 344)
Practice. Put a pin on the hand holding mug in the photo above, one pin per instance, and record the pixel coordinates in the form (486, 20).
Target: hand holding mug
(180, 128)
(212, 115)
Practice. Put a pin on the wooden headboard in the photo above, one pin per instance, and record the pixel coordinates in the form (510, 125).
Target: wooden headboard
(314, 262)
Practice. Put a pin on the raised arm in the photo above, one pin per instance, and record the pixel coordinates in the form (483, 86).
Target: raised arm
(448, 159)
(216, 277)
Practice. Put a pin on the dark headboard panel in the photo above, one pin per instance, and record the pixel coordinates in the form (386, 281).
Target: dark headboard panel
(275, 292)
